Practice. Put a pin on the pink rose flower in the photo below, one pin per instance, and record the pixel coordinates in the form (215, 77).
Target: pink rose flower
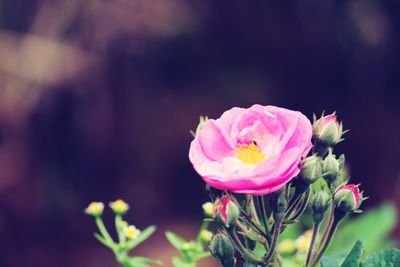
(254, 151)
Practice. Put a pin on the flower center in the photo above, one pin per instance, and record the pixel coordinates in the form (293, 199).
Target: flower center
(249, 153)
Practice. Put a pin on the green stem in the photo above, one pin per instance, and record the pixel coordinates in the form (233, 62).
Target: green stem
(247, 254)
(252, 209)
(204, 226)
(275, 237)
(103, 230)
(262, 213)
(331, 233)
(327, 228)
(118, 224)
(302, 207)
(313, 239)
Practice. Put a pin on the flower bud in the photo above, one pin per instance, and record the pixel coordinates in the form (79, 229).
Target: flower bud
(319, 205)
(131, 232)
(331, 167)
(348, 198)
(311, 169)
(222, 248)
(95, 209)
(205, 236)
(226, 211)
(119, 206)
(208, 209)
(328, 130)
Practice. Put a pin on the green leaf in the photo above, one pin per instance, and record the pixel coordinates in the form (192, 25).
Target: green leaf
(176, 240)
(354, 257)
(140, 262)
(383, 258)
(179, 262)
(145, 234)
(332, 261)
(201, 255)
(372, 227)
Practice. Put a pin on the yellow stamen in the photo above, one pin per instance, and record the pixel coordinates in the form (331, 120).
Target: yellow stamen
(249, 154)
(131, 232)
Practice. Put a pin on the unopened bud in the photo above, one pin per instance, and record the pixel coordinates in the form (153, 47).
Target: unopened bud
(328, 130)
(331, 167)
(319, 205)
(119, 206)
(95, 209)
(208, 209)
(348, 198)
(222, 248)
(226, 211)
(311, 169)
(205, 236)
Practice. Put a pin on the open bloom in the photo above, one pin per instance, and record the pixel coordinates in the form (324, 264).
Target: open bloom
(255, 150)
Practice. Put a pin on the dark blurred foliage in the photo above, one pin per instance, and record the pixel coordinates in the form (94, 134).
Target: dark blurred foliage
(97, 99)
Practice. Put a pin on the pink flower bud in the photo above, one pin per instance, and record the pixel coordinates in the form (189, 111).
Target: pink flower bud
(328, 130)
(348, 198)
(226, 211)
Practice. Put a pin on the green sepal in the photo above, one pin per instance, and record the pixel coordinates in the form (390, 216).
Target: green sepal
(145, 234)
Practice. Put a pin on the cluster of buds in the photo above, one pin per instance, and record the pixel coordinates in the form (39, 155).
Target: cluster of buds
(128, 235)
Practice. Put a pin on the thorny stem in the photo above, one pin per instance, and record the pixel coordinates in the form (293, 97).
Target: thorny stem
(312, 243)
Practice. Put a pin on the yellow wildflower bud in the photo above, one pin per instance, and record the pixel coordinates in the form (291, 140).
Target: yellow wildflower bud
(119, 206)
(303, 241)
(95, 209)
(286, 247)
(131, 232)
(205, 236)
(208, 209)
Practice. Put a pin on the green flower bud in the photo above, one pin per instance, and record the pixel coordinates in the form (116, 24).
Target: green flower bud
(226, 211)
(95, 209)
(319, 205)
(348, 198)
(205, 236)
(331, 167)
(208, 209)
(222, 248)
(328, 130)
(119, 206)
(311, 169)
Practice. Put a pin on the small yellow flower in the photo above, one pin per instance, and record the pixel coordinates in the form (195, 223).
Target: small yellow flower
(205, 236)
(131, 232)
(303, 241)
(95, 209)
(119, 206)
(286, 247)
(208, 209)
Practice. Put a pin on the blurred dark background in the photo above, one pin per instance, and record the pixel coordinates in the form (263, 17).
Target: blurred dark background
(97, 99)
